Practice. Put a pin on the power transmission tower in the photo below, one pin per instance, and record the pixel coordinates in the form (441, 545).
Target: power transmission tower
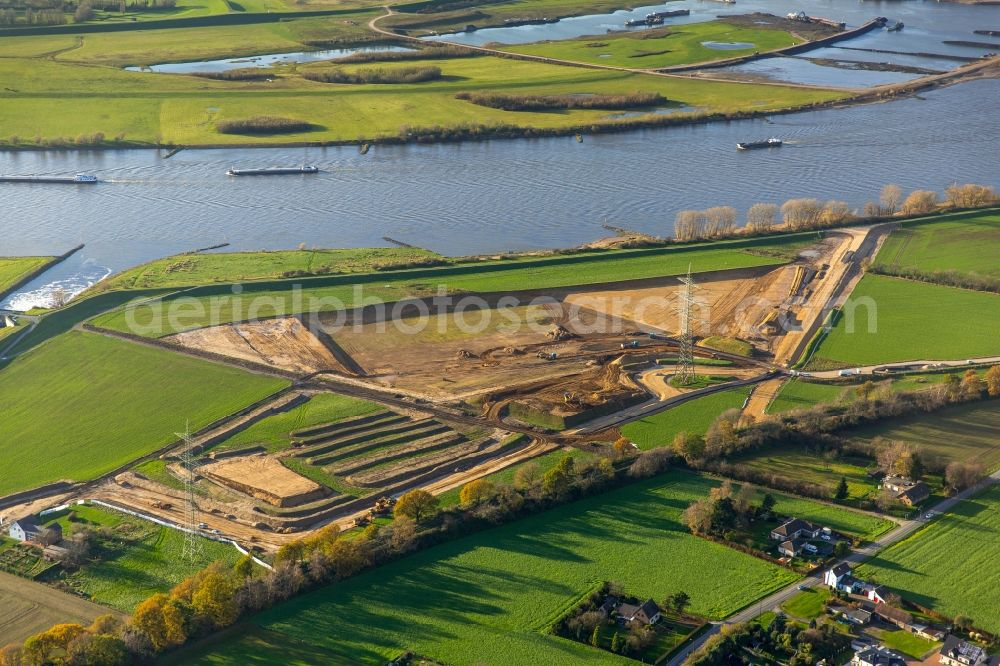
(192, 549)
(684, 307)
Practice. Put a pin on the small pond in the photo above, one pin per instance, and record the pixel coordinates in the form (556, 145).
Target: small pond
(208, 66)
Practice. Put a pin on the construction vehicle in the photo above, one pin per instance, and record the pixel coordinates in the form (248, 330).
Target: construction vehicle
(630, 344)
(548, 356)
(383, 506)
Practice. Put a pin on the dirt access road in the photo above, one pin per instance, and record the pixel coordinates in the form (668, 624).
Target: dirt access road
(27, 607)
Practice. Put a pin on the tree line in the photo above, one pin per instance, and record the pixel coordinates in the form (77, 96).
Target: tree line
(375, 75)
(804, 214)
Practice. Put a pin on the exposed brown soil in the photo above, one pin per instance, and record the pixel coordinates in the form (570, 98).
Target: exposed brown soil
(27, 607)
(284, 343)
(265, 478)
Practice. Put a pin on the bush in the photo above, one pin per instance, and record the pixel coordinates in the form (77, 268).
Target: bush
(242, 74)
(376, 75)
(262, 125)
(557, 102)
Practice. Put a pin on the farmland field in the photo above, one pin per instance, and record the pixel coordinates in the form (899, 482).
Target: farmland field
(813, 468)
(27, 607)
(693, 417)
(273, 432)
(912, 321)
(950, 566)
(116, 400)
(963, 433)
(12, 269)
(145, 559)
(940, 245)
(194, 269)
(505, 276)
(799, 394)
(496, 592)
(661, 47)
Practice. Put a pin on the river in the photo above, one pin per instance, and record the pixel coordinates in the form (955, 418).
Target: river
(490, 196)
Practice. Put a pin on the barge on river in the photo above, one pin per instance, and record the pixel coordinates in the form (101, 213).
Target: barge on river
(272, 171)
(78, 179)
(753, 145)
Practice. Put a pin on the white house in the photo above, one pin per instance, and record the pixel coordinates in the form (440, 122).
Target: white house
(839, 578)
(878, 594)
(27, 530)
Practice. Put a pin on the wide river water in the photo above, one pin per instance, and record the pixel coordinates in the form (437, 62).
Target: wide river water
(497, 195)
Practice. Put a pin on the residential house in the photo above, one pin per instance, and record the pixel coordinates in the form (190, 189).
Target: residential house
(956, 652)
(856, 616)
(28, 530)
(840, 578)
(906, 491)
(647, 613)
(878, 656)
(791, 548)
(55, 553)
(795, 529)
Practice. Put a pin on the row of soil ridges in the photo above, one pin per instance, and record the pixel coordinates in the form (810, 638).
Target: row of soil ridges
(329, 444)
(331, 452)
(455, 458)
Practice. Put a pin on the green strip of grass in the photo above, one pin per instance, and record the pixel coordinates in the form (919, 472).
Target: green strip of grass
(901, 320)
(14, 269)
(115, 401)
(693, 417)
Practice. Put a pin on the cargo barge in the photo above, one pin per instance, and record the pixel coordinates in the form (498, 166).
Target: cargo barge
(78, 179)
(272, 171)
(752, 145)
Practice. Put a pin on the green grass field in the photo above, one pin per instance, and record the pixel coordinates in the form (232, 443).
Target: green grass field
(495, 593)
(955, 243)
(115, 401)
(13, 269)
(194, 269)
(543, 462)
(902, 320)
(660, 47)
(949, 566)
(813, 468)
(963, 433)
(60, 97)
(907, 643)
(799, 394)
(146, 558)
(692, 417)
(273, 432)
(526, 273)
(808, 604)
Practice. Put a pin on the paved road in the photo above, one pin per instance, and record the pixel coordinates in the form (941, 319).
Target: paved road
(905, 529)
(905, 365)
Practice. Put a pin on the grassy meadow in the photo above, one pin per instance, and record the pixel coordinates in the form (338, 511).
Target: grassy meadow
(115, 401)
(800, 394)
(207, 268)
(273, 432)
(962, 433)
(525, 273)
(950, 565)
(813, 468)
(955, 243)
(903, 320)
(139, 559)
(693, 417)
(13, 269)
(59, 96)
(660, 47)
(496, 592)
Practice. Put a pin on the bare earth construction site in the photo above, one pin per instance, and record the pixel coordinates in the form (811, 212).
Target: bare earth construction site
(467, 391)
